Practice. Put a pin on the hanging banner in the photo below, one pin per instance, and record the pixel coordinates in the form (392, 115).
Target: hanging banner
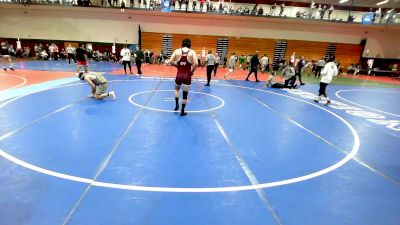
(166, 6)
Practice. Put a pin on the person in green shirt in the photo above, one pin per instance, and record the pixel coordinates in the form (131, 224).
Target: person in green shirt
(241, 61)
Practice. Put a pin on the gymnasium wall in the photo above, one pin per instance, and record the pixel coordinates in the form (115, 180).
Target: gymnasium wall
(346, 53)
(111, 25)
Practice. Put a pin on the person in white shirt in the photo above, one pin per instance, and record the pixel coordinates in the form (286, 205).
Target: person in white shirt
(264, 63)
(113, 51)
(290, 76)
(293, 57)
(126, 58)
(210, 63)
(378, 15)
(318, 12)
(330, 10)
(71, 53)
(217, 59)
(320, 65)
(51, 50)
(232, 65)
(203, 56)
(19, 49)
(330, 70)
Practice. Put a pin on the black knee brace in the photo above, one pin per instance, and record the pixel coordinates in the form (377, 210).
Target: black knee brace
(185, 94)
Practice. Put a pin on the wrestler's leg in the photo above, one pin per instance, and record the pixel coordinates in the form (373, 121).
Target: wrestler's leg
(185, 89)
(177, 87)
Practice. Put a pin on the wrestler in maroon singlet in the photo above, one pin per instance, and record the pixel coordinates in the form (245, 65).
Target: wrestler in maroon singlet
(185, 72)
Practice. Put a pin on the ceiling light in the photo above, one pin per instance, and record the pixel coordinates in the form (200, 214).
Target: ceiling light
(382, 2)
(343, 1)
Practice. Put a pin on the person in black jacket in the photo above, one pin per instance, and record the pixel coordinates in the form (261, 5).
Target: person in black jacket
(299, 67)
(254, 64)
(139, 56)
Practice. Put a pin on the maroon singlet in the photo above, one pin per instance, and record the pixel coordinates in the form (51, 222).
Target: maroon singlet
(184, 74)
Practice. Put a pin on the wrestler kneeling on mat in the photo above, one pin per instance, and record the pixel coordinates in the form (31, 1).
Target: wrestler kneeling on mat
(98, 83)
(185, 60)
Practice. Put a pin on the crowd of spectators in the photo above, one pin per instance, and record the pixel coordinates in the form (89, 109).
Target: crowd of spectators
(312, 12)
(51, 51)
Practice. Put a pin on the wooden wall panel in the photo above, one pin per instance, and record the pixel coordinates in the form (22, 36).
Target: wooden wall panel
(310, 50)
(348, 54)
(152, 41)
(198, 42)
(247, 46)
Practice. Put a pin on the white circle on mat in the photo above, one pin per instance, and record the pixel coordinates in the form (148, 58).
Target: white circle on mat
(364, 106)
(222, 102)
(92, 182)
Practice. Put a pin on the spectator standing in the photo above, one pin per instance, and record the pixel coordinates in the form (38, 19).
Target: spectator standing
(378, 15)
(194, 3)
(318, 12)
(139, 56)
(210, 63)
(62, 54)
(232, 65)
(19, 49)
(254, 64)
(217, 59)
(203, 56)
(51, 50)
(323, 12)
(272, 9)
(202, 5)
(320, 65)
(282, 9)
(299, 67)
(330, 10)
(71, 53)
(122, 6)
(264, 63)
(113, 53)
(330, 70)
(126, 58)
(81, 57)
(241, 62)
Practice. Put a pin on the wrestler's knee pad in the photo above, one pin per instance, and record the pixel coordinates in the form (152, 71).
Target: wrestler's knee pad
(185, 94)
(185, 88)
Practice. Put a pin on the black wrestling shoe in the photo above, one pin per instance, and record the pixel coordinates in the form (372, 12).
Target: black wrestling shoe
(176, 108)
(207, 85)
(183, 113)
(11, 68)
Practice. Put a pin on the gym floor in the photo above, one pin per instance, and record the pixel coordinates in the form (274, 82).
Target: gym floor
(245, 154)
